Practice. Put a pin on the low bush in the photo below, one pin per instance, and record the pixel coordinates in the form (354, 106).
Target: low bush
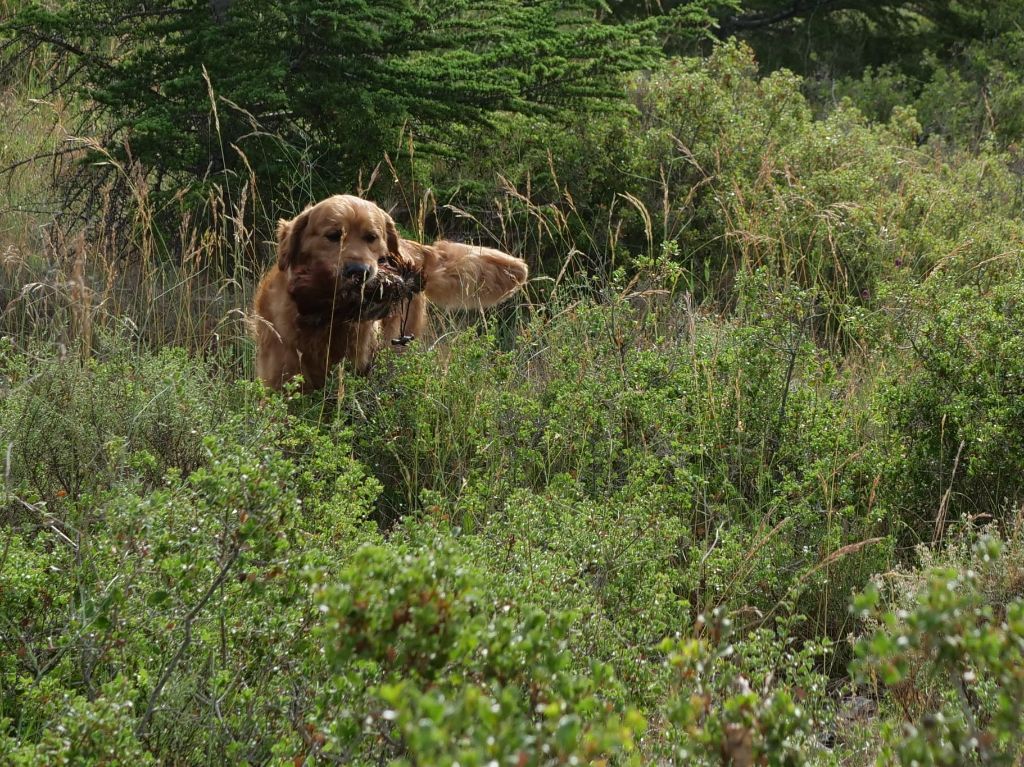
(956, 403)
(725, 171)
(176, 603)
(72, 430)
(949, 649)
(664, 451)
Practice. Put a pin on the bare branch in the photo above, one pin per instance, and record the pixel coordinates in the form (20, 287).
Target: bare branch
(186, 640)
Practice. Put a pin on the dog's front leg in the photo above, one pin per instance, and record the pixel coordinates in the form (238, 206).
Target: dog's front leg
(276, 364)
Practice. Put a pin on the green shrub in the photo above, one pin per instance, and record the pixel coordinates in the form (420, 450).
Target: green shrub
(716, 462)
(956, 405)
(756, 701)
(188, 590)
(967, 90)
(839, 205)
(86, 732)
(952, 652)
(430, 668)
(724, 172)
(75, 430)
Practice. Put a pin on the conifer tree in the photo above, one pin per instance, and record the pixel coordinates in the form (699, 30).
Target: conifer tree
(318, 89)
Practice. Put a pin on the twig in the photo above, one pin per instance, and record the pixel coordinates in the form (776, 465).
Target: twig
(940, 518)
(53, 153)
(965, 705)
(147, 718)
(794, 352)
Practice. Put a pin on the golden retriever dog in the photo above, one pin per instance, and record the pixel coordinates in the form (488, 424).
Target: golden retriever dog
(342, 241)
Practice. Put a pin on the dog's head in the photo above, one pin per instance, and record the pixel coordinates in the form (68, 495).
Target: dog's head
(339, 241)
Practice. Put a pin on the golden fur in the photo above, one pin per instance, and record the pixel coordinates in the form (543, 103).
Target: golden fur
(342, 236)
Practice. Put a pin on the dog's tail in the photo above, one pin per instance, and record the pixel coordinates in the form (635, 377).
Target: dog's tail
(471, 276)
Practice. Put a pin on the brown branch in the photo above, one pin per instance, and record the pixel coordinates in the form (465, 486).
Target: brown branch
(52, 154)
(754, 21)
(147, 718)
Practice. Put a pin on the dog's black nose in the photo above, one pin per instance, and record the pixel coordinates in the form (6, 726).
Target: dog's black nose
(356, 271)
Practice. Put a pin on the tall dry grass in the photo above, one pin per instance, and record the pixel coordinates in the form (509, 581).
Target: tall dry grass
(71, 277)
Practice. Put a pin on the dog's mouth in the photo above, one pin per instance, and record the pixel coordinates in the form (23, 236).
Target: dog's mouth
(315, 294)
(355, 279)
(382, 293)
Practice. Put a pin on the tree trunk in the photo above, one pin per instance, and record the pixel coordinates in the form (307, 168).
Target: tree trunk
(219, 9)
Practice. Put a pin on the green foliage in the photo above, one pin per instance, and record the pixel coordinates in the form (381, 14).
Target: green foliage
(666, 452)
(774, 340)
(971, 648)
(186, 590)
(190, 592)
(967, 90)
(73, 430)
(718, 716)
(553, 511)
(957, 410)
(87, 732)
(324, 90)
(958, 63)
(458, 679)
(723, 172)
(466, 670)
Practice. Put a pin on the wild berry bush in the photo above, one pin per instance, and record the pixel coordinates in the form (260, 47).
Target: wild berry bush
(428, 666)
(755, 700)
(153, 608)
(967, 90)
(714, 461)
(73, 430)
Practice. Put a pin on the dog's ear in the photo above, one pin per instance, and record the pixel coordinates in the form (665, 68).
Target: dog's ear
(391, 233)
(394, 245)
(289, 238)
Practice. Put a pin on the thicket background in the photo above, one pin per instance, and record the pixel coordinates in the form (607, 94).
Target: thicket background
(737, 480)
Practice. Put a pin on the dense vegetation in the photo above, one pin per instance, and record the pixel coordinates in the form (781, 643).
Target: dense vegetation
(740, 480)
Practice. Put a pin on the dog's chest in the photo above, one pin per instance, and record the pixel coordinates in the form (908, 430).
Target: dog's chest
(322, 347)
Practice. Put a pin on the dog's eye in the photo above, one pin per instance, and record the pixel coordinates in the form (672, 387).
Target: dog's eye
(370, 237)
(333, 236)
